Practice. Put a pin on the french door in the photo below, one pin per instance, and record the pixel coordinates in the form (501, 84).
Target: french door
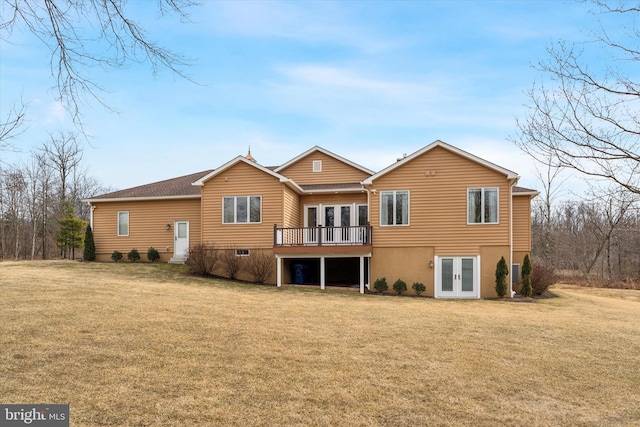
(457, 277)
(336, 221)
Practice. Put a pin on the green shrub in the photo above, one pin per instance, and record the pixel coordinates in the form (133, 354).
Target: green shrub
(526, 289)
(133, 255)
(418, 287)
(380, 285)
(400, 286)
(152, 254)
(116, 256)
(501, 277)
(89, 245)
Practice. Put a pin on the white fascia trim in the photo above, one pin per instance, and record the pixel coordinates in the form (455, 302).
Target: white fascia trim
(328, 153)
(233, 162)
(137, 199)
(291, 184)
(509, 174)
(342, 190)
(525, 193)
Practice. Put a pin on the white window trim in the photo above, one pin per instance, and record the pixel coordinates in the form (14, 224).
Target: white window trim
(394, 206)
(317, 166)
(118, 224)
(235, 209)
(482, 206)
(243, 252)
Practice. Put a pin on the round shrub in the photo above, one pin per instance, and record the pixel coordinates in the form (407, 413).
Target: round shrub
(133, 255)
(400, 286)
(418, 287)
(152, 254)
(116, 256)
(380, 285)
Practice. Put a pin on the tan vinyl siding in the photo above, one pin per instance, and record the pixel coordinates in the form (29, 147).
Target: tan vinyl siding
(522, 223)
(292, 208)
(241, 180)
(147, 226)
(333, 171)
(437, 182)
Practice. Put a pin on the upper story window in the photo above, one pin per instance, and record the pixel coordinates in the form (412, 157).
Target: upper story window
(482, 205)
(242, 210)
(123, 223)
(317, 165)
(394, 207)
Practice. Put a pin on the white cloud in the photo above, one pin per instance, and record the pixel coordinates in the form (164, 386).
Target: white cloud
(55, 114)
(315, 22)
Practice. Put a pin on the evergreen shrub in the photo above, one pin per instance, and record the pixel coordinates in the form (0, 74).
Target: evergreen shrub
(380, 285)
(400, 286)
(133, 255)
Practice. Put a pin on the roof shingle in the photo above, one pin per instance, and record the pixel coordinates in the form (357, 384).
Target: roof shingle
(174, 187)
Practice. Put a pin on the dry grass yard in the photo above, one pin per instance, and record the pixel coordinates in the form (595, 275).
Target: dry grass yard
(138, 345)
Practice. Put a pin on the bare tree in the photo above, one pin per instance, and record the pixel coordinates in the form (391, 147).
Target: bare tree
(15, 209)
(585, 117)
(84, 35)
(551, 181)
(12, 126)
(63, 155)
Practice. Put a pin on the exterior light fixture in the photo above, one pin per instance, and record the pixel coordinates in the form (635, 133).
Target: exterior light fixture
(168, 226)
(431, 264)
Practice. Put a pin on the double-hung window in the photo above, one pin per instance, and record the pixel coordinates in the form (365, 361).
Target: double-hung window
(242, 210)
(123, 223)
(394, 207)
(482, 205)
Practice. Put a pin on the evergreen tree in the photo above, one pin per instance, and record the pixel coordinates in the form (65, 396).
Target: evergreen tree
(501, 277)
(526, 289)
(89, 245)
(69, 237)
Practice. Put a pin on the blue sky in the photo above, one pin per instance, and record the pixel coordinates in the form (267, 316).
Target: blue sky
(368, 80)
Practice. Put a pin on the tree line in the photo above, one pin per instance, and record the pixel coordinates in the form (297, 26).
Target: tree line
(582, 118)
(41, 210)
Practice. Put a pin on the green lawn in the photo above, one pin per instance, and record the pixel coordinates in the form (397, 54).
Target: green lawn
(141, 344)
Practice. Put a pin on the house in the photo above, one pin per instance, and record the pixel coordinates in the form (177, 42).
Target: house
(440, 216)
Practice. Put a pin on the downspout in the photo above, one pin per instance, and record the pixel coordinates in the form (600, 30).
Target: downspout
(91, 208)
(511, 292)
(366, 187)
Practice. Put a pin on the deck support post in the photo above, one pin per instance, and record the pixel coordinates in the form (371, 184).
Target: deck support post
(361, 274)
(278, 271)
(322, 273)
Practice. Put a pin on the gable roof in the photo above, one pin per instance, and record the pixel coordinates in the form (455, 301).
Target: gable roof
(328, 153)
(241, 159)
(509, 174)
(173, 188)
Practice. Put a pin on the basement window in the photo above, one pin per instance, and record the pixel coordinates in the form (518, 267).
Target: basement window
(242, 252)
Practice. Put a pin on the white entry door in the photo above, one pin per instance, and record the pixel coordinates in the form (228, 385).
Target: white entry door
(181, 238)
(457, 277)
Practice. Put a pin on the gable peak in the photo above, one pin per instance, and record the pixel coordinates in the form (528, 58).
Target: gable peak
(249, 156)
